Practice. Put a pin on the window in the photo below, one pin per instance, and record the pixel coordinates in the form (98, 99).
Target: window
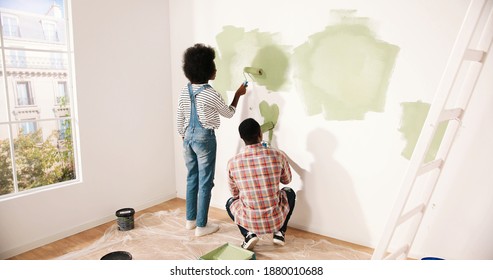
(50, 31)
(16, 58)
(10, 26)
(24, 95)
(57, 61)
(61, 94)
(63, 129)
(28, 128)
(38, 131)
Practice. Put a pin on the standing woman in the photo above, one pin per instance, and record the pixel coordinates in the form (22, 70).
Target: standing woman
(199, 108)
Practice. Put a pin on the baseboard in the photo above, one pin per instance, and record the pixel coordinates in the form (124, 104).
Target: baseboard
(312, 230)
(47, 240)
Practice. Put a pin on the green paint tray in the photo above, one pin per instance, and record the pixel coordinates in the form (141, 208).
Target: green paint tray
(229, 252)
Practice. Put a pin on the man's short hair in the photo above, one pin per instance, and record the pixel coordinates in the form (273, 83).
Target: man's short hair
(249, 130)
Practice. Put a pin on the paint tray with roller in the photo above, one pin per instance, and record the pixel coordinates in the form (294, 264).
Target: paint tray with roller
(229, 252)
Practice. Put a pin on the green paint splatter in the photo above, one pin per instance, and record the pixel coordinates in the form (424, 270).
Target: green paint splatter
(274, 62)
(344, 71)
(237, 49)
(412, 121)
(270, 114)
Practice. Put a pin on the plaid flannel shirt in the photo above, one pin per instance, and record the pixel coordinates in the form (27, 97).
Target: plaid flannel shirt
(254, 177)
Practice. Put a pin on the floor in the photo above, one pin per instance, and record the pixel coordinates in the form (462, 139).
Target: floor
(159, 234)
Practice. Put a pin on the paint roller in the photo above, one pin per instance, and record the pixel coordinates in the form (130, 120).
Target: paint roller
(257, 72)
(266, 127)
(253, 71)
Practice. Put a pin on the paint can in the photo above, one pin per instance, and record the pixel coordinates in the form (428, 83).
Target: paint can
(125, 219)
(431, 259)
(117, 255)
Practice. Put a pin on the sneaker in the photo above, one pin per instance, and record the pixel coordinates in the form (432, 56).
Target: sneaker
(190, 224)
(208, 229)
(278, 238)
(250, 241)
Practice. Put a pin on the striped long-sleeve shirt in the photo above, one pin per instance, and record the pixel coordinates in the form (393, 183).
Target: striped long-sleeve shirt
(254, 178)
(209, 104)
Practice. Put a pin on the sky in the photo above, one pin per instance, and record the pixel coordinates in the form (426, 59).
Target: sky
(32, 6)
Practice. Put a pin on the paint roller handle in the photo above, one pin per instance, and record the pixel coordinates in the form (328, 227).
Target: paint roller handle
(239, 92)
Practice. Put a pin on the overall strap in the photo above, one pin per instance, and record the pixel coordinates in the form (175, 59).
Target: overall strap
(194, 93)
(194, 118)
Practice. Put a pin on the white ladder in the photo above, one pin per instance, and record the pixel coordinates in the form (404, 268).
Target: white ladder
(461, 51)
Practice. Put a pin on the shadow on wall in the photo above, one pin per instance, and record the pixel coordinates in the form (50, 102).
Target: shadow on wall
(328, 186)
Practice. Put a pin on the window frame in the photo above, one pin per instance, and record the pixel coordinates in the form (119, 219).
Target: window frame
(13, 123)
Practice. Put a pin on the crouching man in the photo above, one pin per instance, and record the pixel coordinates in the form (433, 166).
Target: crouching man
(258, 205)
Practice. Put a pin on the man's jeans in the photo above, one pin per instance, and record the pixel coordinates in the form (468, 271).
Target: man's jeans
(291, 195)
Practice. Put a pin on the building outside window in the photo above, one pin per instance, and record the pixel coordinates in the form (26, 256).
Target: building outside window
(38, 140)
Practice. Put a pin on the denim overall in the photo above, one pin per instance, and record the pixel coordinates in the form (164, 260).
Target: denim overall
(199, 146)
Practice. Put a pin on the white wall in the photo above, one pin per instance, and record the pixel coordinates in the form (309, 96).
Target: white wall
(126, 123)
(351, 170)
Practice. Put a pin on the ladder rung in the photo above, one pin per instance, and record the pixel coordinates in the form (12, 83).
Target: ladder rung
(418, 209)
(474, 55)
(398, 252)
(451, 114)
(430, 166)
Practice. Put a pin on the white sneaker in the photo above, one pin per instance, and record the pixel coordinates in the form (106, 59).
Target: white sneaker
(250, 241)
(190, 224)
(278, 238)
(208, 229)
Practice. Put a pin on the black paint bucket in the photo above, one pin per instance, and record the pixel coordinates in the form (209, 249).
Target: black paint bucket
(431, 259)
(117, 255)
(125, 219)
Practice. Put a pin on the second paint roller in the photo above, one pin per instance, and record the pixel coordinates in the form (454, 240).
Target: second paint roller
(252, 72)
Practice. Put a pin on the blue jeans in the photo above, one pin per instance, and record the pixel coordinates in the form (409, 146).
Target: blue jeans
(199, 146)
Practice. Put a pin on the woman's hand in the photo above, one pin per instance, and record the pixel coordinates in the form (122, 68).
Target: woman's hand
(239, 92)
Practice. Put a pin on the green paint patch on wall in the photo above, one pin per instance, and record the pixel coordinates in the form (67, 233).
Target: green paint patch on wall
(270, 113)
(412, 121)
(237, 48)
(274, 62)
(344, 71)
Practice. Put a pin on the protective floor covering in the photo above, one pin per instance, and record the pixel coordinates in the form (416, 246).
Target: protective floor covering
(162, 236)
